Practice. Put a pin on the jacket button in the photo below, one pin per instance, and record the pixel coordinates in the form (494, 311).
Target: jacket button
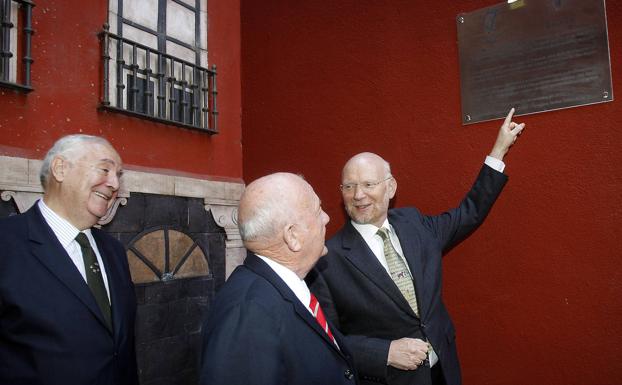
(348, 373)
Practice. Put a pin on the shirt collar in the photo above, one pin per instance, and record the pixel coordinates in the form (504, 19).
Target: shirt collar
(368, 231)
(297, 285)
(64, 230)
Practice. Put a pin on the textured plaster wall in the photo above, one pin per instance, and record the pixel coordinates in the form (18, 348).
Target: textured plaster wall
(67, 78)
(535, 293)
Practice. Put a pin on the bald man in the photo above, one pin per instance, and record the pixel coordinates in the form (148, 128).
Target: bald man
(381, 280)
(265, 327)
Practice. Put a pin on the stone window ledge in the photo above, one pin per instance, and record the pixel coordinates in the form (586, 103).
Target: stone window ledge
(19, 180)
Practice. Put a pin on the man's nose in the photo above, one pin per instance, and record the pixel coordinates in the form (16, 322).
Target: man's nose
(358, 192)
(114, 181)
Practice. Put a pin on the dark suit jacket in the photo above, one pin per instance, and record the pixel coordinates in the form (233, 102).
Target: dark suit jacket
(361, 299)
(51, 329)
(258, 333)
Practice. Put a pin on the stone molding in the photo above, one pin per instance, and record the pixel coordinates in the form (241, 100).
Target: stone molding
(225, 213)
(19, 180)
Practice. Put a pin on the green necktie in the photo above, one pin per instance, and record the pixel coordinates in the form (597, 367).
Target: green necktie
(94, 278)
(399, 271)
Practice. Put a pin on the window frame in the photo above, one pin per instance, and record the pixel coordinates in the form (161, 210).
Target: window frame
(163, 76)
(13, 74)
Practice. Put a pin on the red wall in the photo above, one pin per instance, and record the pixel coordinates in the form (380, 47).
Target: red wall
(66, 76)
(535, 293)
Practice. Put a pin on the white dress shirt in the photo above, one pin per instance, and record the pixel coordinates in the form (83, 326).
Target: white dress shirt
(66, 234)
(297, 285)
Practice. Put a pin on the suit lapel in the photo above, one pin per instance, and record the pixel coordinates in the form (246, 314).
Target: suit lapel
(51, 254)
(359, 254)
(411, 247)
(261, 268)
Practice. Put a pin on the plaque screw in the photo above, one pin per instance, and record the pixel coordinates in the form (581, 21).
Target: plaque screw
(606, 95)
(467, 118)
(461, 19)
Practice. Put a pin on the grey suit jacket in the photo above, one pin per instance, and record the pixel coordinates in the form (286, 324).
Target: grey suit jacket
(361, 299)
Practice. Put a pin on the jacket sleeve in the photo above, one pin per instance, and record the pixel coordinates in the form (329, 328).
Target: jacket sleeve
(454, 225)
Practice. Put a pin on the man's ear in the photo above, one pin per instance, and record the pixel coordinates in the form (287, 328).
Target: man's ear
(392, 187)
(291, 237)
(58, 168)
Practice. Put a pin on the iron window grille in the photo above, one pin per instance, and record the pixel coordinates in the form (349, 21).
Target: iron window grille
(12, 14)
(145, 82)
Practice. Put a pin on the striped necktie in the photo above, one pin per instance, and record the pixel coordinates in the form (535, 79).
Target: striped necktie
(314, 305)
(399, 271)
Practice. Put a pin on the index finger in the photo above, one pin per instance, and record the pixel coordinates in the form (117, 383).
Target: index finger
(508, 118)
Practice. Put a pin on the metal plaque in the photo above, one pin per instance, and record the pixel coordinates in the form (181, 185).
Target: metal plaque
(534, 55)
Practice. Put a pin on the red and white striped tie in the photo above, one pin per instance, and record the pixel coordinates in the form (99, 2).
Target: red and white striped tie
(314, 305)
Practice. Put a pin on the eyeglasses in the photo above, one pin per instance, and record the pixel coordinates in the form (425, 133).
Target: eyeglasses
(365, 186)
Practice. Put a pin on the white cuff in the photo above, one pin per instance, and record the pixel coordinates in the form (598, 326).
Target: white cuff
(495, 163)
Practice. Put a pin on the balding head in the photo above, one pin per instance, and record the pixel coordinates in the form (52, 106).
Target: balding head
(280, 217)
(367, 187)
(267, 203)
(367, 160)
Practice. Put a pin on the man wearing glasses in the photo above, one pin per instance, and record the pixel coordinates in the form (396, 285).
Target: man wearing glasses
(380, 282)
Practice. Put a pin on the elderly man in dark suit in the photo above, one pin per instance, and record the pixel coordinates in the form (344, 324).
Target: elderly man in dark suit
(381, 280)
(265, 327)
(67, 303)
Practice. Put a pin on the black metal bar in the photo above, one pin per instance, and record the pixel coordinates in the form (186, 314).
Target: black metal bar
(181, 43)
(139, 26)
(154, 118)
(162, 26)
(15, 86)
(172, 99)
(205, 96)
(120, 17)
(146, 261)
(186, 100)
(142, 46)
(194, 108)
(185, 257)
(183, 101)
(161, 86)
(214, 125)
(106, 57)
(134, 86)
(5, 48)
(197, 31)
(28, 32)
(190, 7)
(148, 105)
(120, 63)
(167, 252)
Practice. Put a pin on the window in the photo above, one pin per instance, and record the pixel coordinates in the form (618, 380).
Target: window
(155, 59)
(15, 42)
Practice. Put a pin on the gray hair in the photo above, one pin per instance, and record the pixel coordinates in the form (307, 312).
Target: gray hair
(67, 146)
(264, 221)
(270, 211)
